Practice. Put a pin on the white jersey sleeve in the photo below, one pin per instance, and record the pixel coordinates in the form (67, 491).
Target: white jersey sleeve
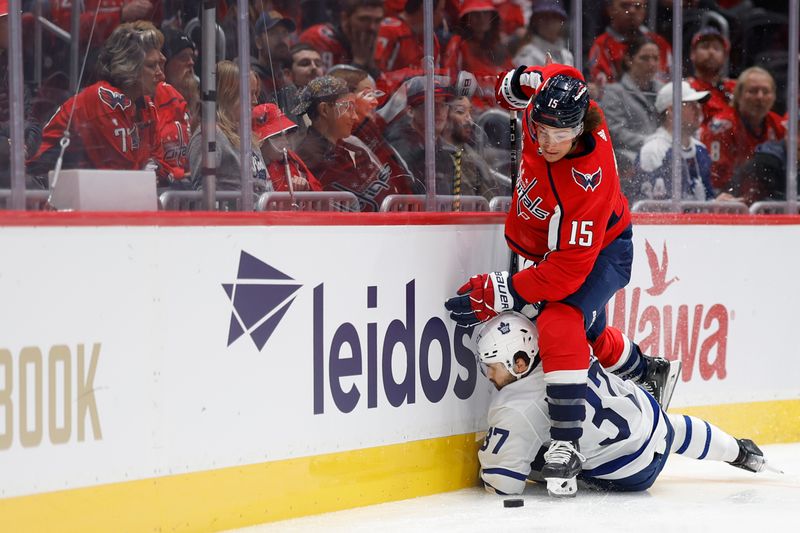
(513, 438)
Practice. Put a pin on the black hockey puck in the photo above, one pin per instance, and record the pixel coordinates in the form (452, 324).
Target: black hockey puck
(513, 502)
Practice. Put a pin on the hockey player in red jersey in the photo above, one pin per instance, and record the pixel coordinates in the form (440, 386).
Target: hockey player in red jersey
(112, 124)
(570, 224)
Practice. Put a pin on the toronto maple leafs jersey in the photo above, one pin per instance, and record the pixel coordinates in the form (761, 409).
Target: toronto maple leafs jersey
(563, 213)
(623, 430)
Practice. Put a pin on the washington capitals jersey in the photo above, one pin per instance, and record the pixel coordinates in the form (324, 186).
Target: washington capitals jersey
(563, 213)
(329, 43)
(174, 129)
(731, 143)
(107, 130)
(623, 430)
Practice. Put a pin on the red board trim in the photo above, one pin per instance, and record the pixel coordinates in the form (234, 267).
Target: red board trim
(198, 218)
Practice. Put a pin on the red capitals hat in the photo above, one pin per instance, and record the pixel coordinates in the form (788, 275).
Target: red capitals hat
(472, 6)
(269, 120)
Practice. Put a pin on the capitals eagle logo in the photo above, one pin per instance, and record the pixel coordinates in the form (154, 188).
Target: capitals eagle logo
(588, 181)
(113, 99)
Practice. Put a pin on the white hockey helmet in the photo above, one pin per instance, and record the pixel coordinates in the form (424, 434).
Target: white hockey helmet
(504, 337)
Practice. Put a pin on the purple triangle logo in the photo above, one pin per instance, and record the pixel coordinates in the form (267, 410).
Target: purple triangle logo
(260, 297)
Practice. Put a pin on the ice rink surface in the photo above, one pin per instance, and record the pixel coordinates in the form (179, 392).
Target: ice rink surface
(689, 496)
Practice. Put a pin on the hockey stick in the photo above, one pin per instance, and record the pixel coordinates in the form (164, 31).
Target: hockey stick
(513, 263)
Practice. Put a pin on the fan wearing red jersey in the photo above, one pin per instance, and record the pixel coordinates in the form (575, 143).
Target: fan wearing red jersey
(112, 124)
(569, 222)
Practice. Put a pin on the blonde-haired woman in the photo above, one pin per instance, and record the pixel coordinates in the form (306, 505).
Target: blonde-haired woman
(112, 123)
(228, 142)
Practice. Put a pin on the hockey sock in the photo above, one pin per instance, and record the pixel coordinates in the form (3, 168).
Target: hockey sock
(618, 354)
(696, 438)
(565, 362)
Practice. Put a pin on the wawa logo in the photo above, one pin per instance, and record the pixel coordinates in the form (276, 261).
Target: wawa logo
(697, 336)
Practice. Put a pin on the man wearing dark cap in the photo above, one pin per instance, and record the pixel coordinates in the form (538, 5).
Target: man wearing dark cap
(544, 36)
(709, 54)
(272, 33)
(340, 165)
(407, 134)
(177, 100)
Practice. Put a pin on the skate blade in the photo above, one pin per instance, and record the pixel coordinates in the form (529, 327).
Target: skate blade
(672, 380)
(769, 467)
(562, 488)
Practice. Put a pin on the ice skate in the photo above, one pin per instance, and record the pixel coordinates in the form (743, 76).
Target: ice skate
(659, 379)
(752, 459)
(562, 465)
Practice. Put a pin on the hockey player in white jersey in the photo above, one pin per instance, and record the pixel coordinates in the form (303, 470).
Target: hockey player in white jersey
(626, 437)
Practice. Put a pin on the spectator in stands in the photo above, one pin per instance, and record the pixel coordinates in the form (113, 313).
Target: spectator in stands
(111, 13)
(230, 23)
(399, 50)
(339, 165)
(228, 142)
(512, 18)
(32, 131)
(476, 48)
(655, 158)
(274, 132)
(629, 105)
(471, 174)
(369, 127)
(708, 54)
(174, 125)
(180, 54)
(303, 65)
(732, 136)
(544, 36)
(112, 123)
(407, 135)
(607, 54)
(352, 39)
(763, 177)
(273, 34)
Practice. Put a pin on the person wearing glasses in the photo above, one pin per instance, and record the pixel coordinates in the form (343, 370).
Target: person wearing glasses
(369, 128)
(626, 21)
(570, 225)
(338, 163)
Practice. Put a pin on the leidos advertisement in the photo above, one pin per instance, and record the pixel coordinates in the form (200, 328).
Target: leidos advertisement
(133, 352)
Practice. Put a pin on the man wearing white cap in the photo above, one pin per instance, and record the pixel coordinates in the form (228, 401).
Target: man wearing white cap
(655, 157)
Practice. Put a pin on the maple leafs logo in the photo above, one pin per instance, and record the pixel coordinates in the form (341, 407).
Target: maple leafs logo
(504, 328)
(658, 270)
